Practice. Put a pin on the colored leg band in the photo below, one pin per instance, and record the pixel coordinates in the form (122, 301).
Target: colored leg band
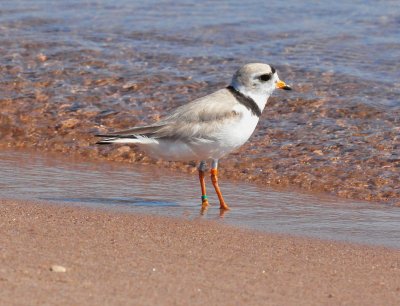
(204, 197)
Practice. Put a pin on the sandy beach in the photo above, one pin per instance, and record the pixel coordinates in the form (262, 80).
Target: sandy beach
(128, 259)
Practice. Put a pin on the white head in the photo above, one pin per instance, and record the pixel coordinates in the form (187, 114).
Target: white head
(257, 81)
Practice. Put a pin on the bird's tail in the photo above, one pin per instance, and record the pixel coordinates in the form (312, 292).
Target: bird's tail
(137, 139)
(139, 135)
(116, 139)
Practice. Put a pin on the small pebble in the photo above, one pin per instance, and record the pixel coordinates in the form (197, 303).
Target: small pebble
(58, 269)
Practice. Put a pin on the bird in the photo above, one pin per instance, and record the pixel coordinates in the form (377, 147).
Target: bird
(208, 128)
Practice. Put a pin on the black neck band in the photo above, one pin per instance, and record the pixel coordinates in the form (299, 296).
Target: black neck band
(248, 102)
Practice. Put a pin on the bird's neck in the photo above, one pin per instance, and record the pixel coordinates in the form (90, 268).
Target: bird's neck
(260, 98)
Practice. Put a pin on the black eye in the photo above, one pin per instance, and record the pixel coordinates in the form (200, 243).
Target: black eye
(265, 77)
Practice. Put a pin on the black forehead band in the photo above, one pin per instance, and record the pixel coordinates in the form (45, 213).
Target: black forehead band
(272, 69)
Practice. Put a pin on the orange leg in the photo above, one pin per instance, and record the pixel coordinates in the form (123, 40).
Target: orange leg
(204, 199)
(214, 179)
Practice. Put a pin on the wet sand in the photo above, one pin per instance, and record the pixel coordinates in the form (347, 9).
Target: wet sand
(151, 190)
(115, 258)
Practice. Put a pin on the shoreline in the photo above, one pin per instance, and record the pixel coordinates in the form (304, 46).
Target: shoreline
(151, 191)
(119, 258)
(187, 168)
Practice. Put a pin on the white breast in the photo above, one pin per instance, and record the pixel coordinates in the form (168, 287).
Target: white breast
(235, 135)
(230, 136)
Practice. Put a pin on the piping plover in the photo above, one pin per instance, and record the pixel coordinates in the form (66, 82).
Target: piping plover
(210, 127)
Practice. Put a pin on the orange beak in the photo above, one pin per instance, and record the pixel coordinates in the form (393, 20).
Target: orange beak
(282, 85)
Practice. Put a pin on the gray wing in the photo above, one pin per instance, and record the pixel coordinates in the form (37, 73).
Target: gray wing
(199, 119)
(140, 130)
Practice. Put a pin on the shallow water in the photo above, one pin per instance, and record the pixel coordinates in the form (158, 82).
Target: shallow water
(150, 190)
(73, 69)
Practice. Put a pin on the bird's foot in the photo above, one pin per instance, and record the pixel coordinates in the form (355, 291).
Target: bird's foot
(204, 202)
(204, 207)
(223, 206)
(223, 211)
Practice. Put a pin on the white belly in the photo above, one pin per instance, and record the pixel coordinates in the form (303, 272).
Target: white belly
(228, 137)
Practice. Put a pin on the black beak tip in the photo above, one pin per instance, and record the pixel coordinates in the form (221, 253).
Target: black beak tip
(287, 87)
